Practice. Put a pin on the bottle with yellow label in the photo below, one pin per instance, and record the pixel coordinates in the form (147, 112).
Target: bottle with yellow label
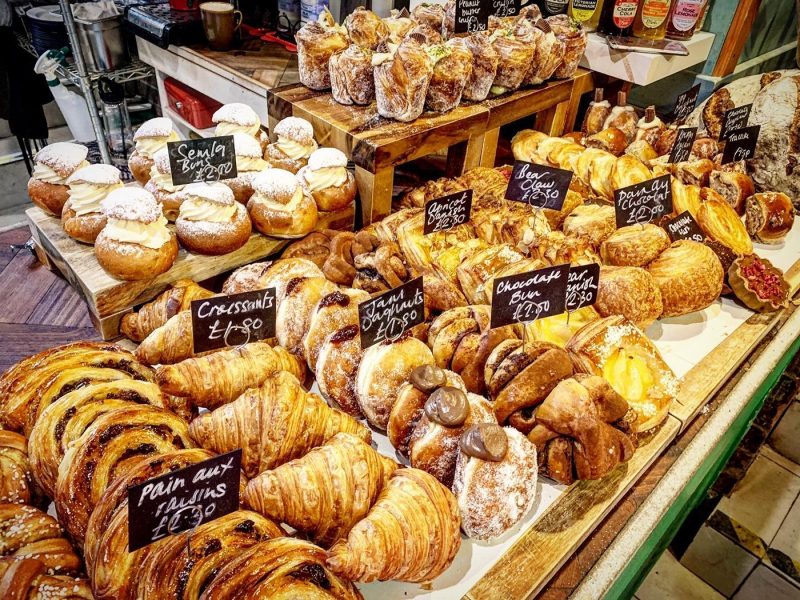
(586, 12)
(651, 19)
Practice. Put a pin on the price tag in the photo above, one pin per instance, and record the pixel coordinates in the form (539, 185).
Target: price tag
(388, 316)
(682, 147)
(448, 211)
(529, 296)
(206, 159)
(472, 15)
(582, 286)
(233, 320)
(741, 144)
(685, 103)
(684, 227)
(643, 202)
(735, 119)
(537, 185)
(183, 499)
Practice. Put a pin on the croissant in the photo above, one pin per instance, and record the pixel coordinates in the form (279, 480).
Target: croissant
(273, 424)
(16, 479)
(27, 579)
(279, 568)
(221, 377)
(27, 532)
(137, 326)
(325, 492)
(410, 534)
(170, 343)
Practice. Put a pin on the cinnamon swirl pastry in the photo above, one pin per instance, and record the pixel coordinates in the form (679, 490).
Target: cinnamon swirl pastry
(316, 43)
(401, 80)
(352, 81)
(16, 480)
(27, 532)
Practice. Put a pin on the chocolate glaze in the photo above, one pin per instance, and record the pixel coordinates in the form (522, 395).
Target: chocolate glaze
(447, 406)
(427, 378)
(485, 441)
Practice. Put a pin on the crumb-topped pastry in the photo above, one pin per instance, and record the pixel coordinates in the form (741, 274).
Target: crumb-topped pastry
(236, 118)
(249, 163)
(153, 135)
(327, 179)
(160, 185)
(135, 243)
(52, 166)
(82, 218)
(211, 221)
(280, 206)
(294, 144)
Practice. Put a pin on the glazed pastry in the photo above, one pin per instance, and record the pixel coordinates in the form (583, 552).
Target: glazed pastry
(316, 42)
(82, 217)
(420, 249)
(160, 185)
(16, 484)
(666, 140)
(294, 144)
(26, 579)
(649, 128)
(477, 270)
(617, 350)
(53, 165)
(27, 532)
(365, 28)
(210, 220)
(623, 116)
(515, 58)
(769, 216)
(236, 117)
(721, 223)
(399, 23)
(336, 483)
(735, 187)
(273, 424)
(452, 68)
(573, 36)
(461, 340)
(351, 75)
(170, 343)
(611, 140)
(294, 311)
(327, 179)
(631, 292)
(221, 377)
(153, 135)
(401, 80)
(596, 114)
(410, 534)
(689, 276)
(595, 167)
(339, 266)
(429, 14)
(279, 568)
(495, 480)
(332, 312)
(694, 172)
(593, 221)
(316, 247)
(758, 284)
(642, 150)
(280, 207)
(634, 246)
(558, 329)
(248, 164)
(705, 147)
(337, 368)
(685, 198)
(484, 66)
(556, 248)
(137, 326)
(135, 242)
(525, 144)
(384, 367)
(629, 170)
(714, 111)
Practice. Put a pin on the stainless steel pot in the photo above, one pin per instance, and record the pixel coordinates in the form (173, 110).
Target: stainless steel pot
(103, 43)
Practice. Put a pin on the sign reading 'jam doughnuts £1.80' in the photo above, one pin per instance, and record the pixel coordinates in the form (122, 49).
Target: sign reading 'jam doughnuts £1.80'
(390, 315)
(233, 320)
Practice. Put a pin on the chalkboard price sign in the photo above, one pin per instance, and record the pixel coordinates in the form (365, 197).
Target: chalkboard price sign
(183, 499)
(537, 185)
(472, 15)
(206, 159)
(529, 296)
(388, 316)
(682, 147)
(741, 144)
(684, 227)
(233, 320)
(735, 119)
(685, 103)
(582, 286)
(446, 212)
(643, 202)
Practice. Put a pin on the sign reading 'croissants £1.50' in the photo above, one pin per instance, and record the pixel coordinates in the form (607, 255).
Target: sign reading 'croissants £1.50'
(182, 500)
(643, 202)
(390, 315)
(529, 296)
(233, 320)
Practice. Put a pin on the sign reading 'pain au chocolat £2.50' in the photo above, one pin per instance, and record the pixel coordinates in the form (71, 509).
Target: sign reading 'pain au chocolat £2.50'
(529, 296)
(388, 316)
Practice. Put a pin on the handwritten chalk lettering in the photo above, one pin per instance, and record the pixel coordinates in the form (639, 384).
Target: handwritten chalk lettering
(538, 185)
(505, 8)
(208, 159)
(529, 296)
(471, 16)
(388, 316)
(682, 147)
(734, 119)
(183, 499)
(684, 227)
(685, 103)
(447, 212)
(643, 202)
(741, 144)
(582, 286)
(233, 320)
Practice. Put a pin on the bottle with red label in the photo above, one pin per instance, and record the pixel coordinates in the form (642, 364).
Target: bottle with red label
(683, 18)
(617, 17)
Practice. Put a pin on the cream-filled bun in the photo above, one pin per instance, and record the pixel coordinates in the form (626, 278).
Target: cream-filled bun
(52, 166)
(152, 136)
(249, 161)
(236, 118)
(211, 221)
(294, 144)
(160, 185)
(280, 207)
(135, 242)
(82, 217)
(327, 179)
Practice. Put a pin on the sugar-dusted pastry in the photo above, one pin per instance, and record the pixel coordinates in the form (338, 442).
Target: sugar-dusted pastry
(295, 308)
(430, 14)
(210, 221)
(326, 491)
(649, 127)
(248, 164)
(452, 68)
(27, 532)
(631, 292)
(759, 284)
(137, 326)
(317, 41)
(135, 242)
(327, 179)
(549, 50)
(331, 312)
(402, 76)
(351, 75)
(82, 217)
(623, 116)
(495, 480)
(410, 534)
(689, 275)
(273, 424)
(151, 136)
(594, 221)
(384, 367)
(515, 58)
(634, 245)
(573, 37)
(424, 34)
(719, 221)
(17, 483)
(484, 65)
(399, 23)
(735, 187)
(26, 578)
(769, 217)
(294, 143)
(280, 207)
(52, 167)
(282, 271)
(610, 139)
(160, 185)
(337, 368)
(365, 28)
(236, 117)
(617, 350)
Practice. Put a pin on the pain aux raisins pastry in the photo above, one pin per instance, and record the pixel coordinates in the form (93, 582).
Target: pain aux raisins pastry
(211, 221)
(293, 145)
(152, 136)
(327, 179)
(82, 217)
(52, 167)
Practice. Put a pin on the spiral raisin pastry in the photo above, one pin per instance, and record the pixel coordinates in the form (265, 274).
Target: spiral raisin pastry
(331, 313)
(27, 579)
(294, 311)
(27, 532)
(381, 270)
(103, 453)
(16, 480)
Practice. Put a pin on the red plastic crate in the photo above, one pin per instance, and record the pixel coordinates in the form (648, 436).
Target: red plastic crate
(193, 106)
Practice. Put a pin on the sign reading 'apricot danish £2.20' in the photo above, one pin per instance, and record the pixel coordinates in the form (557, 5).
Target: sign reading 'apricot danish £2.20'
(390, 315)
(233, 320)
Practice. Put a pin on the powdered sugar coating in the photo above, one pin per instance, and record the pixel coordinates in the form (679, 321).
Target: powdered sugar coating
(212, 191)
(161, 161)
(154, 128)
(62, 157)
(236, 113)
(131, 204)
(325, 158)
(246, 145)
(246, 278)
(297, 129)
(275, 182)
(100, 174)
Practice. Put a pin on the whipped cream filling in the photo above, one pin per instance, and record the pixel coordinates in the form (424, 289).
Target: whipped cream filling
(151, 235)
(324, 178)
(294, 150)
(163, 181)
(84, 198)
(642, 124)
(250, 163)
(148, 146)
(42, 172)
(226, 128)
(195, 208)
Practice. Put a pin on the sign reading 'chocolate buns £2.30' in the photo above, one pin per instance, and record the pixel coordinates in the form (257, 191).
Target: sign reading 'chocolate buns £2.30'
(447, 212)
(390, 315)
(233, 320)
(684, 227)
(682, 146)
(685, 103)
(538, 185)
(582, 284)
(741, 144)
(206, 159)
(643, 202)
(182, 500)
(529, 296)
